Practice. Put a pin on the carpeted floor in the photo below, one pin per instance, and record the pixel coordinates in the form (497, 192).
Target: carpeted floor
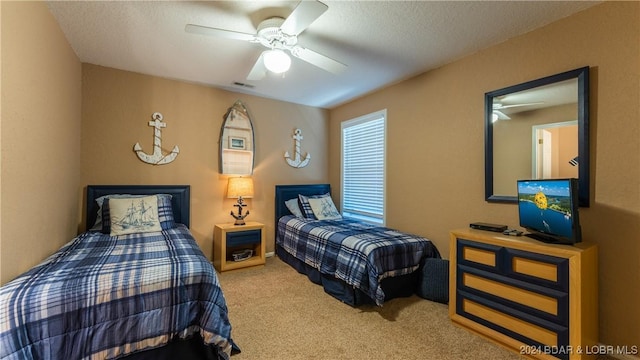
(277, 313)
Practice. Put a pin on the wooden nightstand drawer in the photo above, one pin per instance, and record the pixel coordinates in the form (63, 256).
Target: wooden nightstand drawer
(242, 238)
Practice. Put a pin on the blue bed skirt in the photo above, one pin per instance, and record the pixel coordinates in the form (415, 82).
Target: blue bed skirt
(401, 286)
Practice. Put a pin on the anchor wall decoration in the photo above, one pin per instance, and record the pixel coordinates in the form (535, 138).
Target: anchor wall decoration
(156, 158)
(296, 162)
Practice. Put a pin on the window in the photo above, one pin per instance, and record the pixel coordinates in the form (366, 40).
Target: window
(363, 167)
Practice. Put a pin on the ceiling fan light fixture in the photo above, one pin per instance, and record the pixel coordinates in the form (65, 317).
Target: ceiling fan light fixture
(276, 61)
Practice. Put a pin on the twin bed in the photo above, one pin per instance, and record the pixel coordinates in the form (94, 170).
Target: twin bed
(356, 262)
(139, 295)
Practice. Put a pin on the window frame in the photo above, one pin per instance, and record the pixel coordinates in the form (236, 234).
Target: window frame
(375, 116)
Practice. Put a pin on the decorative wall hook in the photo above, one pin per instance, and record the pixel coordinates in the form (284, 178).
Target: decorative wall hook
(296, 162)
(156, 158)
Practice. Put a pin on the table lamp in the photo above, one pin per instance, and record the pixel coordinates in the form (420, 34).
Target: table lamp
(240, 188)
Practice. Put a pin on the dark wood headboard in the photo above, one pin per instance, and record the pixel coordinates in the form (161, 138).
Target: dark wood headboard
(180, 198)
(286, 192)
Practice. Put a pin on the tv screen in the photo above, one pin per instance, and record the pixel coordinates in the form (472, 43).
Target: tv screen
(548, 209)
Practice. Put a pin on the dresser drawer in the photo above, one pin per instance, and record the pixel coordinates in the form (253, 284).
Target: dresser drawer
(537, 268)
(535, 300)
(532, 267)
(516, 324)
(482, 256)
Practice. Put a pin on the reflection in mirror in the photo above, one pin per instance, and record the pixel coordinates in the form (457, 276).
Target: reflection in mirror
(554, 150)
(545, 119)
(537, 130)
(236, 141)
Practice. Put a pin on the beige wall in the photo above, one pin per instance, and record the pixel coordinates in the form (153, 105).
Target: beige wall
(117, 105)
(41, 84)
(435, 179)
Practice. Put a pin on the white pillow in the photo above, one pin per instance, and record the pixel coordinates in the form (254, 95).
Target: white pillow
(324, 209)
(293, 206)
(134, 215)
(97, 226)
(166, 221)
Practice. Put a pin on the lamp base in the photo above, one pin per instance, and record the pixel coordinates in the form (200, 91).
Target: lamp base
(240, 217)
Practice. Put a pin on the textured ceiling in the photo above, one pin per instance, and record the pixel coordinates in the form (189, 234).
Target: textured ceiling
(382, 42)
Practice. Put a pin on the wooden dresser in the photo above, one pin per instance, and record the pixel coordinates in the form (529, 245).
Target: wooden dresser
(540, 300)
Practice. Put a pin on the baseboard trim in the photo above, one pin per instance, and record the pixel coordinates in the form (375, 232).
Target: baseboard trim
(270, 254)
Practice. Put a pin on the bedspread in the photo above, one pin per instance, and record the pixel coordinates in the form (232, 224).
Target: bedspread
(358, 253)
(102, 297)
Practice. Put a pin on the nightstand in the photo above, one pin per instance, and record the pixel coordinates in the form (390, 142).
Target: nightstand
(228, 238)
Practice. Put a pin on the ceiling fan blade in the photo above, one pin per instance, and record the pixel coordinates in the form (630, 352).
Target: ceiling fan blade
(500, 106)
(259, 71)
(205, 30)
(319, 60)
(302, 16)
(501, 115)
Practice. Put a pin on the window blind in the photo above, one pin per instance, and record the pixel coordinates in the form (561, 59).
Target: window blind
(363, 167)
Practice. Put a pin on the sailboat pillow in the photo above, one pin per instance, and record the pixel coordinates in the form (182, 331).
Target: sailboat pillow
(305, 206)
(133, 215)
(324, 209)
(165, 211)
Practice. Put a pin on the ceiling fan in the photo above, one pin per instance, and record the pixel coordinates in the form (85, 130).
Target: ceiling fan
(279, 35)
(498, 114)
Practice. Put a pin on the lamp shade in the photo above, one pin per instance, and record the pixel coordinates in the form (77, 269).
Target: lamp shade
(240, 187)
(276, 61)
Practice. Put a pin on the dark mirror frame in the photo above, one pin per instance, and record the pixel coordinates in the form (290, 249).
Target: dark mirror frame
(582, 74)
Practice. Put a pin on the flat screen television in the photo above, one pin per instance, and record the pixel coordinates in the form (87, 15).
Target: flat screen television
(548, 209)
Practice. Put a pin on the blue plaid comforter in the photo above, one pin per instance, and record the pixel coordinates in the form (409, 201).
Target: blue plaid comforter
(102, 297)
(358, 253)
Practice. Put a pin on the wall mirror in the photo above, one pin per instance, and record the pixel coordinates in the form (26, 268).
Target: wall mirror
(236, 141)
(537, 130)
